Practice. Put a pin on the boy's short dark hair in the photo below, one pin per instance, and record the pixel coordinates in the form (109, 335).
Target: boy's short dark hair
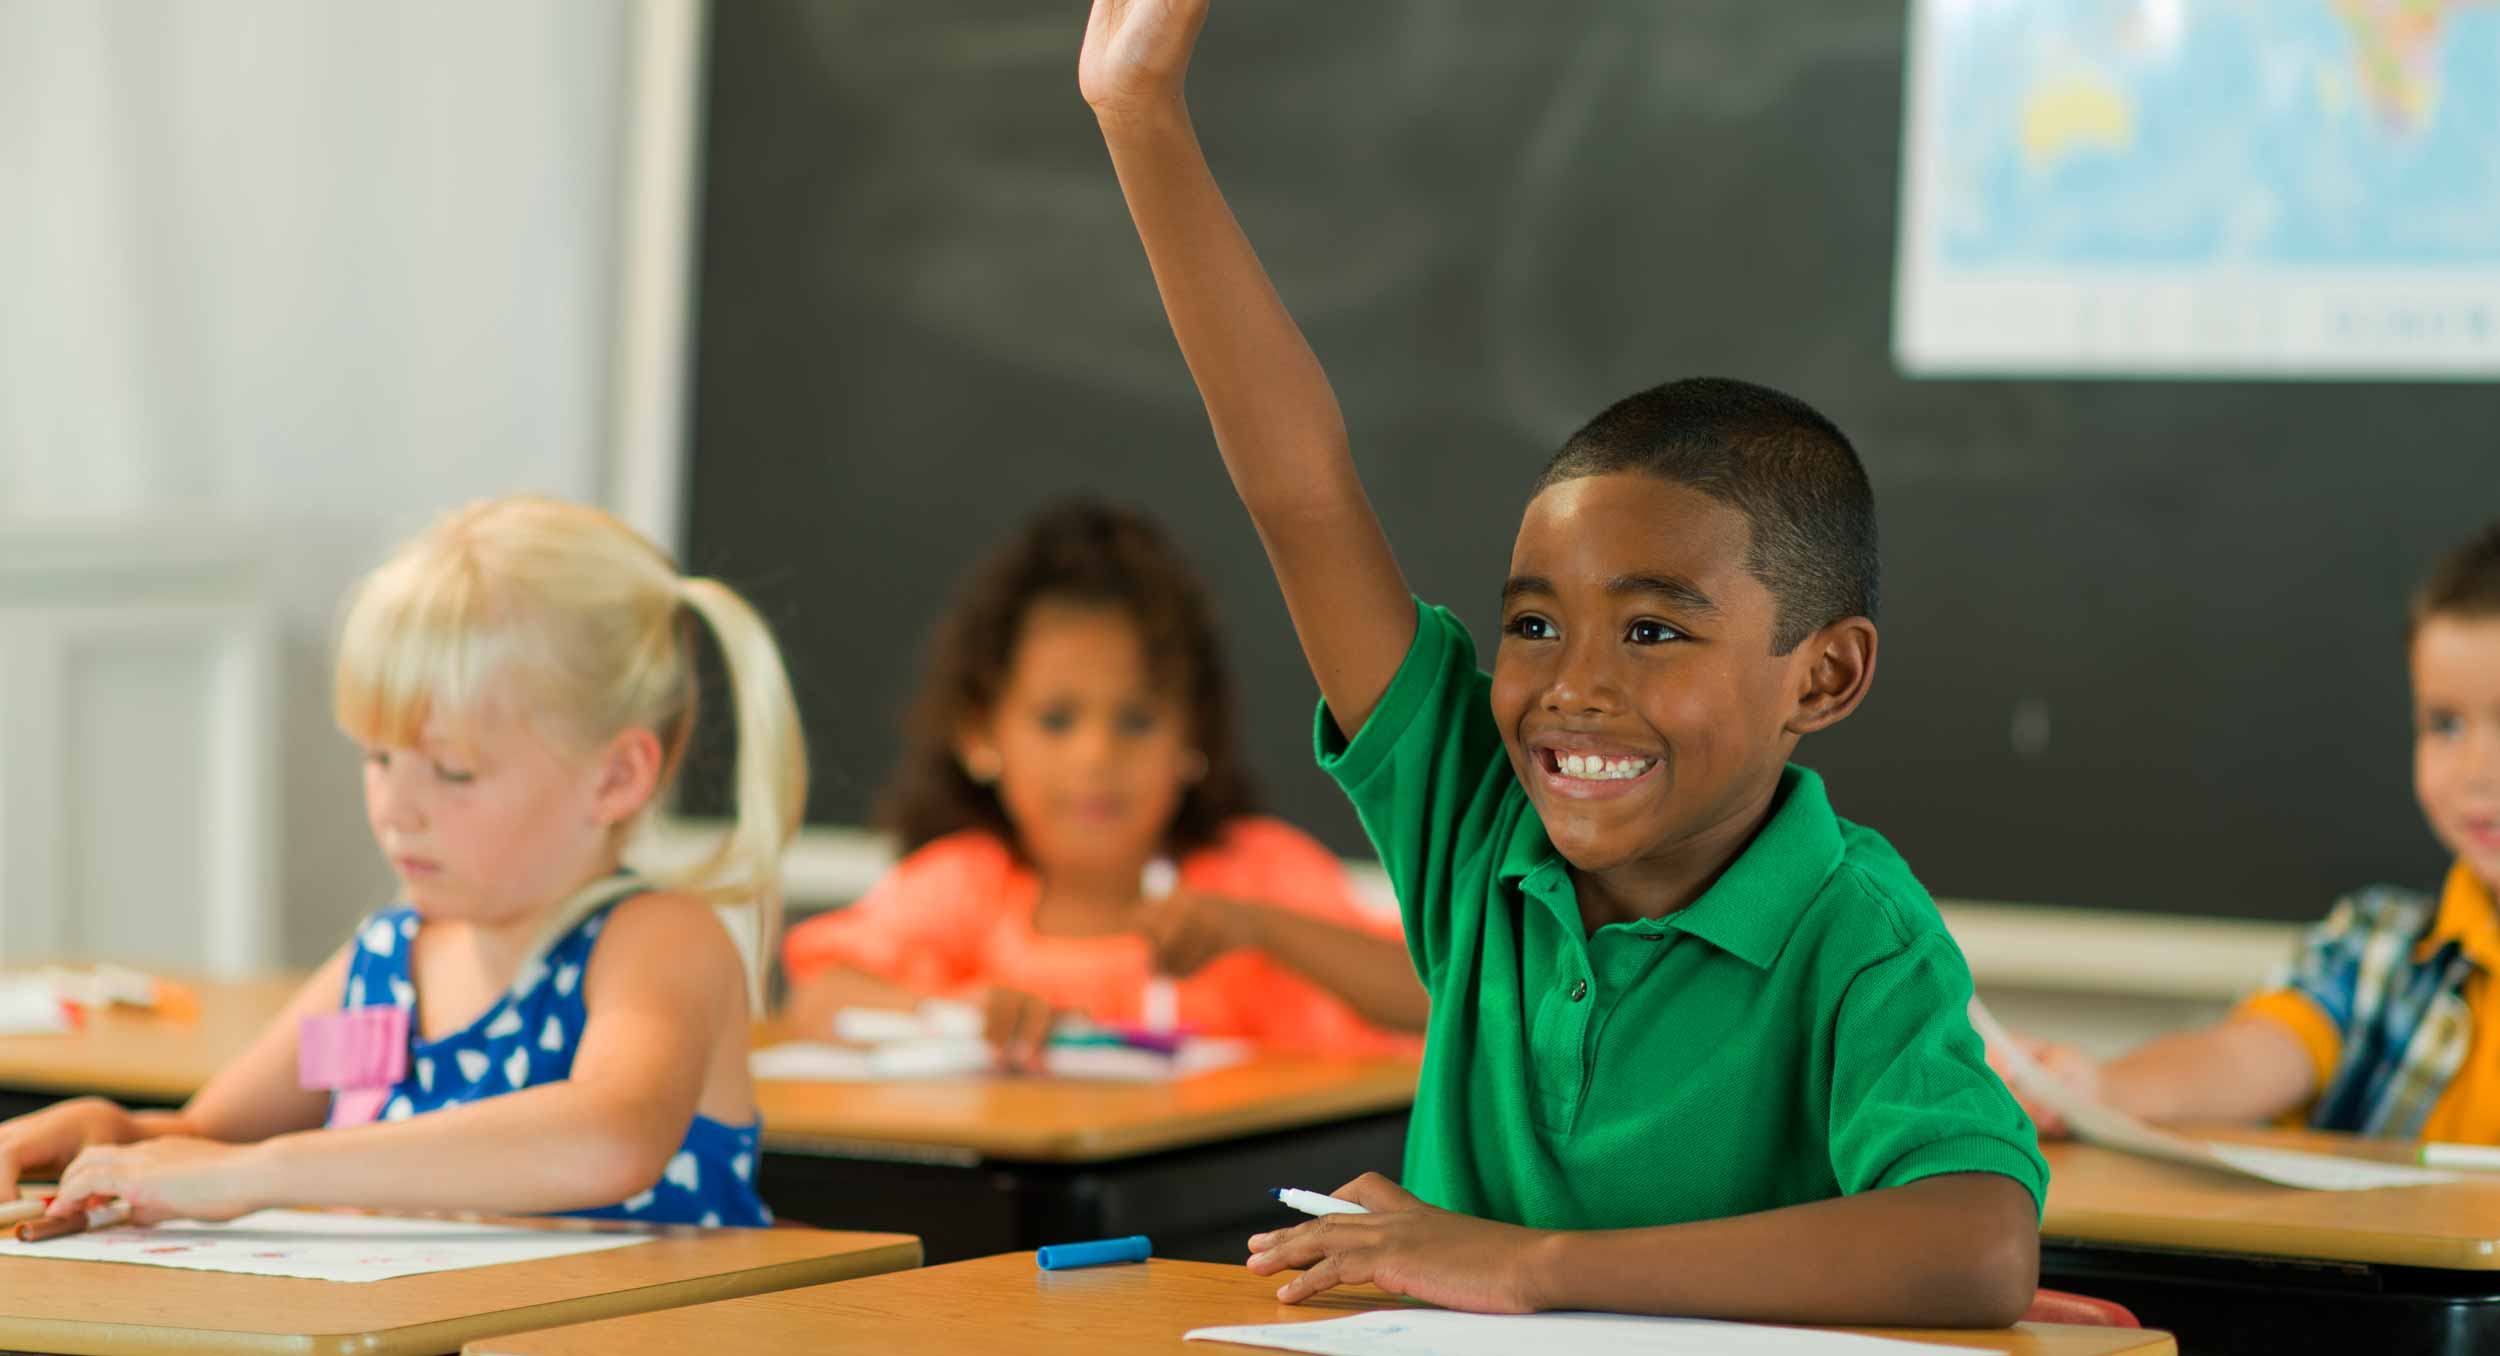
(1769, 456)
(2465, 583)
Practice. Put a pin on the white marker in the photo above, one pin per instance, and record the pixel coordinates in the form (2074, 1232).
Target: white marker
(1160, 1010)
(1313, 1203)
(2481, 1157)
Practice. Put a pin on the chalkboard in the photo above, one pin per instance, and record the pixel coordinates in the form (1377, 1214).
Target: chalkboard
(2142, 640)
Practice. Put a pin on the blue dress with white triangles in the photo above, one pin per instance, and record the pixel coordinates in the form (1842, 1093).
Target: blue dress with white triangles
(527, 1038)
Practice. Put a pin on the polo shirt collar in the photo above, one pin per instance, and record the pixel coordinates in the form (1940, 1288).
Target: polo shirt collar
(1754, 905)
(2468, 917)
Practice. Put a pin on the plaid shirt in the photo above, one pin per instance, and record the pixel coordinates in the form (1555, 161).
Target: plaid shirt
(2392, 971)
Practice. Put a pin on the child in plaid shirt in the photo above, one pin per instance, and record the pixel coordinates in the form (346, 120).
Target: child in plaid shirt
(2386, 1022)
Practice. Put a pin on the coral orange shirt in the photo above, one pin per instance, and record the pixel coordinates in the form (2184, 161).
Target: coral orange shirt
(957, 916)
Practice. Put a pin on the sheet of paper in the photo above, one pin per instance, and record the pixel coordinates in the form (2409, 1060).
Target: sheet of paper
(315, 1246)
(1436, 1332)
(953, 1057)
(30, 1005)
(2094, 1123)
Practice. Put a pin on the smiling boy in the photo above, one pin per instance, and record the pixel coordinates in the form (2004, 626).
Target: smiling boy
(1696, 1043)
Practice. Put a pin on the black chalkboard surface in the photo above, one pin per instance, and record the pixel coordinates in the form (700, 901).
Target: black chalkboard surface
(2142, 640)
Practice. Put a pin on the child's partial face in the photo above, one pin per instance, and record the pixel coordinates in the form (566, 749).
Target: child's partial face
(485, 820)
(2456, 737)
(1635, 685)
(1092, 758)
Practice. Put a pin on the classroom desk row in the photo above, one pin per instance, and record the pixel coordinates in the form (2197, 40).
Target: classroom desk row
(970, 1166)
(985, 1166)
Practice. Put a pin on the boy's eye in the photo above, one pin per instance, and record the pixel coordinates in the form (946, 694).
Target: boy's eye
(1530, 626)
(1649, 632)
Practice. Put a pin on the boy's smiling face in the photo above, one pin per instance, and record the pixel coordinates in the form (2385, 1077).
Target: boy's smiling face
(1633, 634)
(2456, 736)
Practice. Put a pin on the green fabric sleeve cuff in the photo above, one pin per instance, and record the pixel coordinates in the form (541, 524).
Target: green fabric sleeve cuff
(1351, 762)
(1972, 1153)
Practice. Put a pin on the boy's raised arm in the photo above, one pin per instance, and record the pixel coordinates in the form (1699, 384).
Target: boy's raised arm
(1275, 418)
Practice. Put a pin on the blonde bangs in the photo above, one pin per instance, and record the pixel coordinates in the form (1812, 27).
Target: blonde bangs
(420, 642)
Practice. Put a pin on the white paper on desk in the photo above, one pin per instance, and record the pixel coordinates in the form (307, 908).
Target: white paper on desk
(817, 1061)
(30, 1005)
(2094, 1123)
(315, 1246)
(1438, 1332)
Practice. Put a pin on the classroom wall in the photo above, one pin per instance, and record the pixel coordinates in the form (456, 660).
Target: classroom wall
(317, 270)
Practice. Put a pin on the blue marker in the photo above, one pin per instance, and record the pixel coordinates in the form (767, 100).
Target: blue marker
(1061, 1256)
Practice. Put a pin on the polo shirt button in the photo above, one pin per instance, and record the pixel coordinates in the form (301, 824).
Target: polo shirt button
(1579, 990)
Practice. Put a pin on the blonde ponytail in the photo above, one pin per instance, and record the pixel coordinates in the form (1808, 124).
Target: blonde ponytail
(771, 775)
(596, 629)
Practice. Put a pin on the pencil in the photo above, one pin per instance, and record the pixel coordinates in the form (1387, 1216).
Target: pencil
(102, 1217)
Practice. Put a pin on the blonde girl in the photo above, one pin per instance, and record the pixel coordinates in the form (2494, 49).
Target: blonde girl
(531, 1027)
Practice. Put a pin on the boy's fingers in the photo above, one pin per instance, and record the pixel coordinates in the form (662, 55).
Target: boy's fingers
(1340, 1269)
(1376, 1193)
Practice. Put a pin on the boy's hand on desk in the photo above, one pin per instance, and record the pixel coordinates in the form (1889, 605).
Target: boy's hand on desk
(1187, 930)
(1017, 1025)
(50, 1138)
(1136, 52)
(1406, 1248)
(173, 1177)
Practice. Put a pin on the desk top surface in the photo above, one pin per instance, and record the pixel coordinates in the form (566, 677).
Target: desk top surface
(1058, 1120)
(112, 1309)
(1005, 1303)
(138, 1056)
(2103, 1196)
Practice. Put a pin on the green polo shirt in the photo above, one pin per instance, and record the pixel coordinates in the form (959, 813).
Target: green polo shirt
(1797, 1033)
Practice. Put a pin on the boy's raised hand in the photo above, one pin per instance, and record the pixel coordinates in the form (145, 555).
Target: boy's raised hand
(1137, 51)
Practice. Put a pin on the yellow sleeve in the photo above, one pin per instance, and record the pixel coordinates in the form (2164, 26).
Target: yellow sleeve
(2299, 1014)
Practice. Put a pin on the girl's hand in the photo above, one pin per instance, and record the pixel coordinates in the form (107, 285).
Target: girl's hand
(1017, 1025)
(1186, 930)
(48, 1139)
(2068, 1065)
(1406, 1248)
(1136, 52)
(174, 1177)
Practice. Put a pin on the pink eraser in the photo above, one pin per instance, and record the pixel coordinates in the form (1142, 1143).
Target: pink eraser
(354, 1049)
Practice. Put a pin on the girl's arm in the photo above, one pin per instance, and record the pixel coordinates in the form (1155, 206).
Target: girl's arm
(1275, 418)
(1959, 1250)
(812, 1002)
(256, 1095)
(666, 995)
(1372, 974)
(253, 1097)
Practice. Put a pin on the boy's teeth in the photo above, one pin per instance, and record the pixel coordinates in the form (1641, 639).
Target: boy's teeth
(1595, 768)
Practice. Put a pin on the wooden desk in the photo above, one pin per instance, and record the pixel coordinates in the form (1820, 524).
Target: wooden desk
(1005, 1303)
(973, 1165)
(981, 1165)
(113, 1309)
(138, 1057)
(2231, 1263)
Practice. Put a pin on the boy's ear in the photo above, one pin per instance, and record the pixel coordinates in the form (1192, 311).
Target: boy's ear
(629, 776)
(1833, 668)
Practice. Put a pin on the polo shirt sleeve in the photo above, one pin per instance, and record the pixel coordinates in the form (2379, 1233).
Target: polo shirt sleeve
(1912, 1094)
(1425, 775)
